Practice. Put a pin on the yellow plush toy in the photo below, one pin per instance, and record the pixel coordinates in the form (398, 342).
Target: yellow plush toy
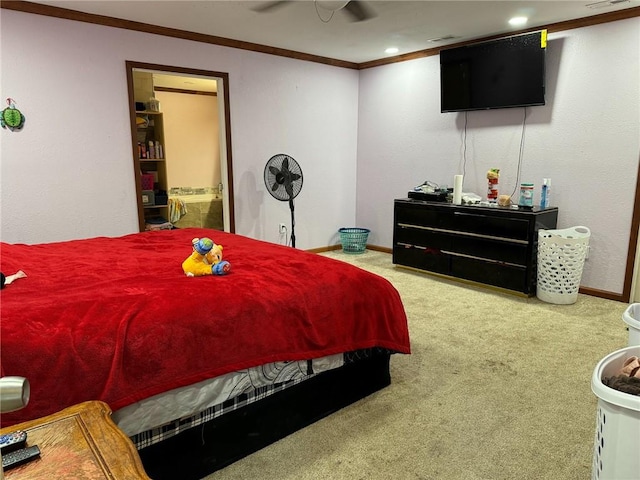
(206, 259)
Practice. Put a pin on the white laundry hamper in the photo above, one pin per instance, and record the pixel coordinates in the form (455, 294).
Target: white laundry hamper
(631, 317)
(615, 446)
(561, 256)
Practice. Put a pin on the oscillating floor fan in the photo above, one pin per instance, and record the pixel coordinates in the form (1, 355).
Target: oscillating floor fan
(283, 178)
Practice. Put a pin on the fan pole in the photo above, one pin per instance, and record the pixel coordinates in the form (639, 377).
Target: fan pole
(293, 225)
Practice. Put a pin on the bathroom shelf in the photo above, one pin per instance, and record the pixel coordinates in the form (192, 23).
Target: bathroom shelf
(145, 133)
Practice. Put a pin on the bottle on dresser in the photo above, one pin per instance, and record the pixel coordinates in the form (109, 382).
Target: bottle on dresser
(545, 192)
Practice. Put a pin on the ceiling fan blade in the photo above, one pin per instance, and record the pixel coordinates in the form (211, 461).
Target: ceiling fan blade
(294, 177)
(269, 6)
(285, 164)
(275, 186)
(359, 11)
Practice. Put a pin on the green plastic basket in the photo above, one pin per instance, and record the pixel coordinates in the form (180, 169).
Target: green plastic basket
(354, 240)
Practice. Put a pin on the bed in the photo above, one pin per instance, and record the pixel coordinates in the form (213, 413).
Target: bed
(202, 371)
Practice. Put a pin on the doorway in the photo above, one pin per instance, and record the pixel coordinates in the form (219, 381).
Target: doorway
(193, 178)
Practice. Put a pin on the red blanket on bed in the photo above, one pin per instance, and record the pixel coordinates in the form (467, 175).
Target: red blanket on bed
(116, 319)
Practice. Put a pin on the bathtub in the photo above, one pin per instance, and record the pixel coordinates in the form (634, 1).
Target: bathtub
(197, 197)
(203, 210)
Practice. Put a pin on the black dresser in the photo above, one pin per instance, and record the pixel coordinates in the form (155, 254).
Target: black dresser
(491, 245)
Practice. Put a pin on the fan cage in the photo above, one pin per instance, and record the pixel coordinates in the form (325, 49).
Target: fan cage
(279, 190)
(354, 239)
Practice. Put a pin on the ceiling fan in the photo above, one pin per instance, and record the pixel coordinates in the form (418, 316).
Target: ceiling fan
(357, 10)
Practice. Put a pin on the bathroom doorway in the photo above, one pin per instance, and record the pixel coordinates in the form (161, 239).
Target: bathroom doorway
(194, 179)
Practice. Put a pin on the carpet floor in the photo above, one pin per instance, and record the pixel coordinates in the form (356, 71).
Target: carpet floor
(497, 387)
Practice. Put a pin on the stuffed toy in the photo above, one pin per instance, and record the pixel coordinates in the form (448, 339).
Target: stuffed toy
(8, 280)
(206, 259)
(493, 176)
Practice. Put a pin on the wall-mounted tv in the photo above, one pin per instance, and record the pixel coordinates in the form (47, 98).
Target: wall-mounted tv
(502, 73)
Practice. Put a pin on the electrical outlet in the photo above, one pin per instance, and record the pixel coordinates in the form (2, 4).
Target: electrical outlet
(282, 228)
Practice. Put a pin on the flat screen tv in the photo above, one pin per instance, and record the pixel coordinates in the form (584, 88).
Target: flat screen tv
(502, 73)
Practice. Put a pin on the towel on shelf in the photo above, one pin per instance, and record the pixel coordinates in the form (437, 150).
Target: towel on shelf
(177, 208)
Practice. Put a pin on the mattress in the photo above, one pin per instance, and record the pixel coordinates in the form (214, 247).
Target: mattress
(165, 415)
(157, 417)
(244, 428)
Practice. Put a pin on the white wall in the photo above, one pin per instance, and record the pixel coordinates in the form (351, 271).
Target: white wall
(586, 139)
(69, 173)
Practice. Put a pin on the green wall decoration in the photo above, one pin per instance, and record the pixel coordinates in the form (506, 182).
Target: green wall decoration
(11, 117)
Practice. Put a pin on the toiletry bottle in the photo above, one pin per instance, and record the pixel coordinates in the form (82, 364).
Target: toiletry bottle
(153, 105)
(526, 195)
(544, 193)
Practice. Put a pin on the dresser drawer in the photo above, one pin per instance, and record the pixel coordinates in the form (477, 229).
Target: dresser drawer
(422, 258)
(490, 273)
(422, 237)
(503, 251)
(473, 220)
(488, 225)
(418, 215)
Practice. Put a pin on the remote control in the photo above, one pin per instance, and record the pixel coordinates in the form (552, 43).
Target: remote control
(18, 457)
(12, 441)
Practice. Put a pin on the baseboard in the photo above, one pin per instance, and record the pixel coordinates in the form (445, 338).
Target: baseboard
(380, 249)
(338, 247)
(594, 292)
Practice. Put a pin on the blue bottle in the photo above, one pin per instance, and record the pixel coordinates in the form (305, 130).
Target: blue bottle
(545, 193)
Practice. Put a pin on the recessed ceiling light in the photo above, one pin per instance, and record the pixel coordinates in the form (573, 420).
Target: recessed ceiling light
(518, 21)
(391, 50)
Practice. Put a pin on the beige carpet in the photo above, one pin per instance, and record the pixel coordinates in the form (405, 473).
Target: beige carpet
(497, 387)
